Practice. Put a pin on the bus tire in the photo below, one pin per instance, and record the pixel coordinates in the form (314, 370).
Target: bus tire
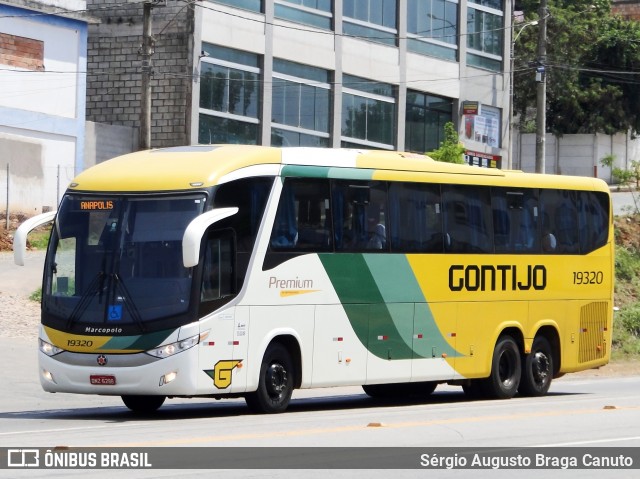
(143, 404)
(506, 370)
(473, 389)
(275, 384)
(537, 369)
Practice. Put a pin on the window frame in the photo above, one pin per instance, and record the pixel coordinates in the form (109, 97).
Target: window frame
(301, 81)
(231, 66)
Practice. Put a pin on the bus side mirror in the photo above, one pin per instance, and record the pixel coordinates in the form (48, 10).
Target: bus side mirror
(192, 237)
(20, 238)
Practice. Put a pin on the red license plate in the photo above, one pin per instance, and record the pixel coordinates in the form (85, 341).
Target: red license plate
(102, 380)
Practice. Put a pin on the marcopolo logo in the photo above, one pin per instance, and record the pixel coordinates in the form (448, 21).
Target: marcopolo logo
(501, 277)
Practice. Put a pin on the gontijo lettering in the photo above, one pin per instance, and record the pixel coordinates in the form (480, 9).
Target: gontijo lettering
(96, 205)
(501, 277)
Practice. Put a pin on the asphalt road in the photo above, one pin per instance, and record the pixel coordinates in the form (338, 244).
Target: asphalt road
(578, 412)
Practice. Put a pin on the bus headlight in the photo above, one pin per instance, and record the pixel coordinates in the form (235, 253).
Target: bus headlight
(174, 348)
(48, 348)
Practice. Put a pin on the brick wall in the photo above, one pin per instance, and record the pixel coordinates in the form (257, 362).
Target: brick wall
(629, 9)
(21, 52)
(114, 68)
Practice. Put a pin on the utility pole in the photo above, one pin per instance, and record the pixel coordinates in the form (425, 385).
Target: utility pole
(541, 78)
(146, 51)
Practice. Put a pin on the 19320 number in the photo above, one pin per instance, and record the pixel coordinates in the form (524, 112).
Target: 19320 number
(588, 277)
(80, 343)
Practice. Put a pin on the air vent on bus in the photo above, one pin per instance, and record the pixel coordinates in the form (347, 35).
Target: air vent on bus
(593, 324)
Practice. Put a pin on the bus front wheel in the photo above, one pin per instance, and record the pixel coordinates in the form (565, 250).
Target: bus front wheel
(275, 384)
(505, 370)
(143, 404)
(537, 369)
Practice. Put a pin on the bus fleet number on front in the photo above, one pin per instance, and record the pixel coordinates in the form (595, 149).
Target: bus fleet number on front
(588, 277)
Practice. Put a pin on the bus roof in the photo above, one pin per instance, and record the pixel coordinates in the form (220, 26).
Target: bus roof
(189, 167)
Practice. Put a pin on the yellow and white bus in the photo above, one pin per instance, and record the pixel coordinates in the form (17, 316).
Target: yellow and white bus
(247, 271)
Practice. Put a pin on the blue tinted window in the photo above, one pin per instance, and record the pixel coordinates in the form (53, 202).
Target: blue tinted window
(213, 129)
(253, 5)
(301, 98)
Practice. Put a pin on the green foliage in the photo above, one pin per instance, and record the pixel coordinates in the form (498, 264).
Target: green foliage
(36, 295)
(627, 264)
(451, 150)
(629, 319)
(586, 46)
(621, 176)
(608, 160)
(39, 238)
(625, 342)
(626, 321)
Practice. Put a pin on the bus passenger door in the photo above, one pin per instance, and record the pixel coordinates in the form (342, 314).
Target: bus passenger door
(221, 350)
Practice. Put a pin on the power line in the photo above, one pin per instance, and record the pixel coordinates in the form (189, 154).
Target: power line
(62, 11)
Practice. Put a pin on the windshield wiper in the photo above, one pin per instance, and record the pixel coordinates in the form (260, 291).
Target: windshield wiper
(96, 286)
(131, 306)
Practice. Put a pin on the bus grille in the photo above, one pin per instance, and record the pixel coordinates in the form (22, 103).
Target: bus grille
(593, 324)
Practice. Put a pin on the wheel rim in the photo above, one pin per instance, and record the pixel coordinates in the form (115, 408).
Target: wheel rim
(277, 381)
(506, 368)
(540, 368)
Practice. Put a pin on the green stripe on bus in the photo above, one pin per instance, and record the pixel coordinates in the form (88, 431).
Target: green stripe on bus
(143, 342)
(351, 173)
(383, 309)
(303, 171)
(299, 171)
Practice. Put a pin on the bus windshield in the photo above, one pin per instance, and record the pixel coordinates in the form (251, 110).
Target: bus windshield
(116, 262)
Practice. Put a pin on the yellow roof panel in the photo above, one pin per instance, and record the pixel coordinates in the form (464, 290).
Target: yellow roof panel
(172, 168)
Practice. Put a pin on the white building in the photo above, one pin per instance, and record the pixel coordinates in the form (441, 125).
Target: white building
(42, 100)
(366, 73)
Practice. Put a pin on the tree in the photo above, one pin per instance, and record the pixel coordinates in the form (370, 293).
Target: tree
(592, 68)
(451, 150)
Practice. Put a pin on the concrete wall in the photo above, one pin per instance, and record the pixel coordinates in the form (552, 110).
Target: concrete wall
(41, 106)
(579, 155)
(104, 142)
(114, 65)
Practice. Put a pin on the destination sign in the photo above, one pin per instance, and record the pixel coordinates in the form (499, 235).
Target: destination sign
(96, 205)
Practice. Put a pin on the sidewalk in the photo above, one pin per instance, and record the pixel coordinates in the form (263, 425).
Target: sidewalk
(21, 281)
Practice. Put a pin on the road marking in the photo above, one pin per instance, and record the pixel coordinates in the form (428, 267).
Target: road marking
(595, 441)
(361, 427)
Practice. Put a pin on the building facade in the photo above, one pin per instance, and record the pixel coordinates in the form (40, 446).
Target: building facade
(43, 48)
(356, 73)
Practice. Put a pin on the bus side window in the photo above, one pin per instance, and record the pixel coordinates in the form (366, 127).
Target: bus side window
(360, 215)
(303, 219)
(415, 218)
(560, 219)
(593, 220)
(467, 219)
(514, 220)
(285, 228)
(218, 272)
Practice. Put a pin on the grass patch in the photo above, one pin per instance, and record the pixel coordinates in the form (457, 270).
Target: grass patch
(39, 238)
(626, 320)
(36, 295)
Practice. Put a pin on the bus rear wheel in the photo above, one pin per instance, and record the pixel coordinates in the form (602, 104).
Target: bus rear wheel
(275, 384)
(505, 370)
(143, 404)
(537, 369)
